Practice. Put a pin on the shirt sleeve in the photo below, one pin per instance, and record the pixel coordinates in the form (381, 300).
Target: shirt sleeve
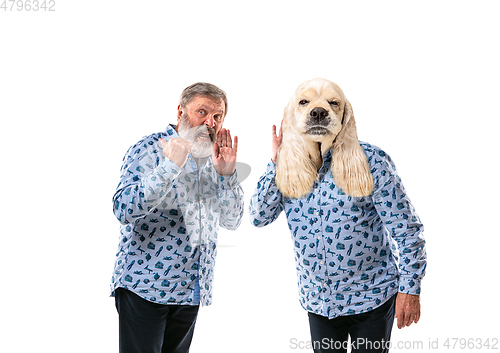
(231, 196)
(266, 202)
(144, 182)
(402, 222)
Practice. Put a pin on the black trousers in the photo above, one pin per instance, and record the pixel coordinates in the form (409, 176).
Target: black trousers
(370, 331)
(147, 327)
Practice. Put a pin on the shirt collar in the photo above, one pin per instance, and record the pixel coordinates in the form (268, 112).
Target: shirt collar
(171, 130)
(327, 158)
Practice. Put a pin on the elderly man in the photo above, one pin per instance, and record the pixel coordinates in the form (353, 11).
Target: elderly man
(176, 188)
(348, 274)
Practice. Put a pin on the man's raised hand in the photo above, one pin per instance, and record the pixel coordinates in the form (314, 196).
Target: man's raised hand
(225, 151)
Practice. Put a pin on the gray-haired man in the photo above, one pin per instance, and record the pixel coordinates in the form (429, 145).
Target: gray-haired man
(176, 188)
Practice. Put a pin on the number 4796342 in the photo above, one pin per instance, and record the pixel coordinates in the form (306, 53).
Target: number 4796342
(28, 5)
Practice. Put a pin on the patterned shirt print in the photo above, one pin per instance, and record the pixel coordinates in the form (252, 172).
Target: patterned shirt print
(351, 253)
(169, 220)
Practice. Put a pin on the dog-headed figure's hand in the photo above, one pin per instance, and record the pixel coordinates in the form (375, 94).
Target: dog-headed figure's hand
(276, 141)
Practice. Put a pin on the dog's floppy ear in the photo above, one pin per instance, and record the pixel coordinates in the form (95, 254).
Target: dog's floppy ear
(295, 169)
(350, 164)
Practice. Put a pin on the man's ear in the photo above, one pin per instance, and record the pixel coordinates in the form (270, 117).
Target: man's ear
(179, 112)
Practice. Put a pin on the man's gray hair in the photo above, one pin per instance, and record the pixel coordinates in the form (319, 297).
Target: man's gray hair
(205, 90)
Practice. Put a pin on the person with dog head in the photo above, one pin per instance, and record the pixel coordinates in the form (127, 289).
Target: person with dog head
(359, 247)
(176, 188)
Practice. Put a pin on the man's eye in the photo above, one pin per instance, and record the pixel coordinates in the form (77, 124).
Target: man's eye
(335, 103)
(303, 102)
(218, 117)
(201, 112)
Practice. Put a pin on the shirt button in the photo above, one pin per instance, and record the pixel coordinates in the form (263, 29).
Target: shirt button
(324, 284)
(202, 248)
(321, 262)
(319, 238)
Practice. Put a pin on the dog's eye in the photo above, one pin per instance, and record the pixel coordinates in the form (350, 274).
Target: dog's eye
(334, 103)
(303, 102)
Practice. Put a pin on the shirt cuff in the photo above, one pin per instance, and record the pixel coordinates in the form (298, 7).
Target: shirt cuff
(228, 182)
(409, 285)
(271, 168)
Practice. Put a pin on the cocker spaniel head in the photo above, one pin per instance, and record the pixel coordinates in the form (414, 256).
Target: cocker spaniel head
(319, 118)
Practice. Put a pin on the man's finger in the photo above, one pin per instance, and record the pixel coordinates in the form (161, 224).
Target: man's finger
(417, 316)
(219, 138)
(229, 142)
(401, 319)
(410, 316)
(164, 146)
(216, 150)
(235, 146)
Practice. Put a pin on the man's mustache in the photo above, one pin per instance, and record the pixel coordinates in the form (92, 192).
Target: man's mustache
(203, 129)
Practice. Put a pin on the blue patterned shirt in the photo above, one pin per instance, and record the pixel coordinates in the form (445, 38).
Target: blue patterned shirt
(169, 219)
(351, 253)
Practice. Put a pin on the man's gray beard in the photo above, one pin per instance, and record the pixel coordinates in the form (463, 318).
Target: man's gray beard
(201, 149)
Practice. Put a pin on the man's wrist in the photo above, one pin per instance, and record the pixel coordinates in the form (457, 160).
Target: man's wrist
(228, 181)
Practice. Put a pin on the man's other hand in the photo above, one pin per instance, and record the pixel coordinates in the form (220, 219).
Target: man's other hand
(177, 150)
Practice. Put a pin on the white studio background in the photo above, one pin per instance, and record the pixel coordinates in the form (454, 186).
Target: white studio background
(81, 84)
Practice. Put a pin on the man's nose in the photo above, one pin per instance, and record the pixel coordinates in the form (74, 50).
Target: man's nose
(209, 121)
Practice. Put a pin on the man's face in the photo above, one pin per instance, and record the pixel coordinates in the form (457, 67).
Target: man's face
(199, 122)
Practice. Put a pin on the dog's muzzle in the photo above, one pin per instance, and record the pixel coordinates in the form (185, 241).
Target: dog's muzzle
(317, 121)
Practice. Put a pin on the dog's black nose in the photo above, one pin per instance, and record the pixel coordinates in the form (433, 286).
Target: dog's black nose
(318, 114)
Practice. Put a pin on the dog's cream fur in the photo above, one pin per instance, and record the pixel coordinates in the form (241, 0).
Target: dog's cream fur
(301, 153)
